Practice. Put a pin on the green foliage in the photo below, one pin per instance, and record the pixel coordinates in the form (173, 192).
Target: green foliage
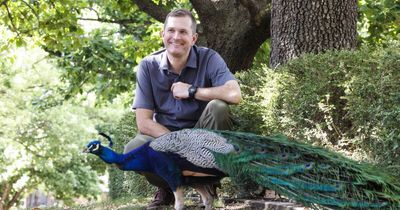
(126, 183)
(52, 23)
(262, 55)
(101, 60)
(347, 100)
(124, 203)
(248, 115)
(379, 21)
(99, 64)
(40, 140)
(105, 63)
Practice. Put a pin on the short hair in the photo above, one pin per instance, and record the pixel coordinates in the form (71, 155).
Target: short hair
(182, 13)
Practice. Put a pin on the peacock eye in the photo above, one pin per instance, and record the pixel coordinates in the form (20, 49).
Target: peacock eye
(261, 150)
(96, 147)
(90, 147)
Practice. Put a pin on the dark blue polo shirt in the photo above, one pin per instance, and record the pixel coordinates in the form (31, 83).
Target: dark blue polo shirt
(205, 68)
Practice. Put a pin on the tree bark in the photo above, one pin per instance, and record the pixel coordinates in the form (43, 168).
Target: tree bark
(311, 26)
(14, 199)
(6, 189)
(234, 28)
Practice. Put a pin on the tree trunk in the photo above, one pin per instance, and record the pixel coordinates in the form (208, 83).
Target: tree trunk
(311, 26)
(235, 29)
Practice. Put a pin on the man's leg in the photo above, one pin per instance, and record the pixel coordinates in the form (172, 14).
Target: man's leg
(136, 142)
(216, 115)
(164, 195)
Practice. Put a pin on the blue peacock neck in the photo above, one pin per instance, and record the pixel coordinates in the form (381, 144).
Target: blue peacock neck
(109, 156)
(136, 160)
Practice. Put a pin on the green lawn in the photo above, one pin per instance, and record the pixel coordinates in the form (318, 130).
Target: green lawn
(137, 203)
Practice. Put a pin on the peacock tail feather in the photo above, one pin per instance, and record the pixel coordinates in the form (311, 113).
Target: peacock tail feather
(310, 175)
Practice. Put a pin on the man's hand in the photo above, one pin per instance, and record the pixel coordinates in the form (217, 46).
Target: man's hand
(180, 90)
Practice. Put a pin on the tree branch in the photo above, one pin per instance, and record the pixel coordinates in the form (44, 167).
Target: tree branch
(155, 11)
(5, 192)
(253, 9)
(3, 3)
(123, 21)
(11, 19)
(209, 7)
(15, 198)
(250, 5)
(92, 9)
(33, 10)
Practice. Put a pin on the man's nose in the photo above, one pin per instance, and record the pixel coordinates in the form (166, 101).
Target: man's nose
(176, 35)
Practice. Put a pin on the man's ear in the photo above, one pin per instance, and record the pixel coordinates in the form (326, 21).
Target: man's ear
(162, 33)
(194, 38)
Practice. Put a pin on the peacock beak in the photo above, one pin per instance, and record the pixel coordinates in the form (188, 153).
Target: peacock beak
(86, 150)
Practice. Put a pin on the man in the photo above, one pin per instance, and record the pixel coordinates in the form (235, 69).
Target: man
(181, 86)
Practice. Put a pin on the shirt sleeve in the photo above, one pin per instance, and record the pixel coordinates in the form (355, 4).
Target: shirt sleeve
(144, 95)
(219, 71)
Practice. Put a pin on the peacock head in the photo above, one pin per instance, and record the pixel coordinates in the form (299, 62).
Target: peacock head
(93, 147)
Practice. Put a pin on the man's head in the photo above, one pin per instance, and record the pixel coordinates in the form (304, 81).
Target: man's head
(179, 33)
(182, 13)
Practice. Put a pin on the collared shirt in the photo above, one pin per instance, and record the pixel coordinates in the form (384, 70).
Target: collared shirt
(204, 68)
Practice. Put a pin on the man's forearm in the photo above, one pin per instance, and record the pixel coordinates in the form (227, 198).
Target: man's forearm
(151, 128)
(230, 93)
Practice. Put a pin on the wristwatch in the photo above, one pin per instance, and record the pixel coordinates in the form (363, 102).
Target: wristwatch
(192, 91)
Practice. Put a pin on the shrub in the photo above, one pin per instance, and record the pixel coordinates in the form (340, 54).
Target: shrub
(346, 100)
(126, 183)
(249, 114)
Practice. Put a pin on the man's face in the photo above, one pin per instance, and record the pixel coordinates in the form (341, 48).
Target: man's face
(178, 36)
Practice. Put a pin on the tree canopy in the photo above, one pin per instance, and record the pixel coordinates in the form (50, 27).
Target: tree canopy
(42, 134)
(98, 59)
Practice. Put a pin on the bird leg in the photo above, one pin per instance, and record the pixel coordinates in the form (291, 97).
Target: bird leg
(179, 199)
(205, 196)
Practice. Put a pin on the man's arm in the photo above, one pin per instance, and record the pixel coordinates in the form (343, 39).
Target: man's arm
(146, 125)
(229, 92)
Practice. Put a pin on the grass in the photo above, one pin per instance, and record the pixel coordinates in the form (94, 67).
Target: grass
(130, 203)
(124, 203)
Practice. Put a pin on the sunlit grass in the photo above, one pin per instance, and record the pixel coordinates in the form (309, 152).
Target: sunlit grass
(126, 203)
(120, 204)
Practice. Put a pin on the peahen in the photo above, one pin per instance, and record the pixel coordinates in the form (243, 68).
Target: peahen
(313, 176)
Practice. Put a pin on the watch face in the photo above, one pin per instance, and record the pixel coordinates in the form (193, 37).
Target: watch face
(192, 91)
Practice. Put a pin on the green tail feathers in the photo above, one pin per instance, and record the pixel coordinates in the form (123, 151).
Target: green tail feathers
(311, 175)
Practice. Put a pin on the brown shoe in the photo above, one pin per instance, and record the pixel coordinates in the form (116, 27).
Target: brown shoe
(163, 197)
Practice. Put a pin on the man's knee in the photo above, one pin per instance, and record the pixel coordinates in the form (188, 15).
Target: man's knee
(218, 107)
(136, 142)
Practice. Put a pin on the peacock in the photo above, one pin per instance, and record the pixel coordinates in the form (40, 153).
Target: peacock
(313, 176)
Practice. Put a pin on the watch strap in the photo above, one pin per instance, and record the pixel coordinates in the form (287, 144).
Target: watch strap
(192, 91)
